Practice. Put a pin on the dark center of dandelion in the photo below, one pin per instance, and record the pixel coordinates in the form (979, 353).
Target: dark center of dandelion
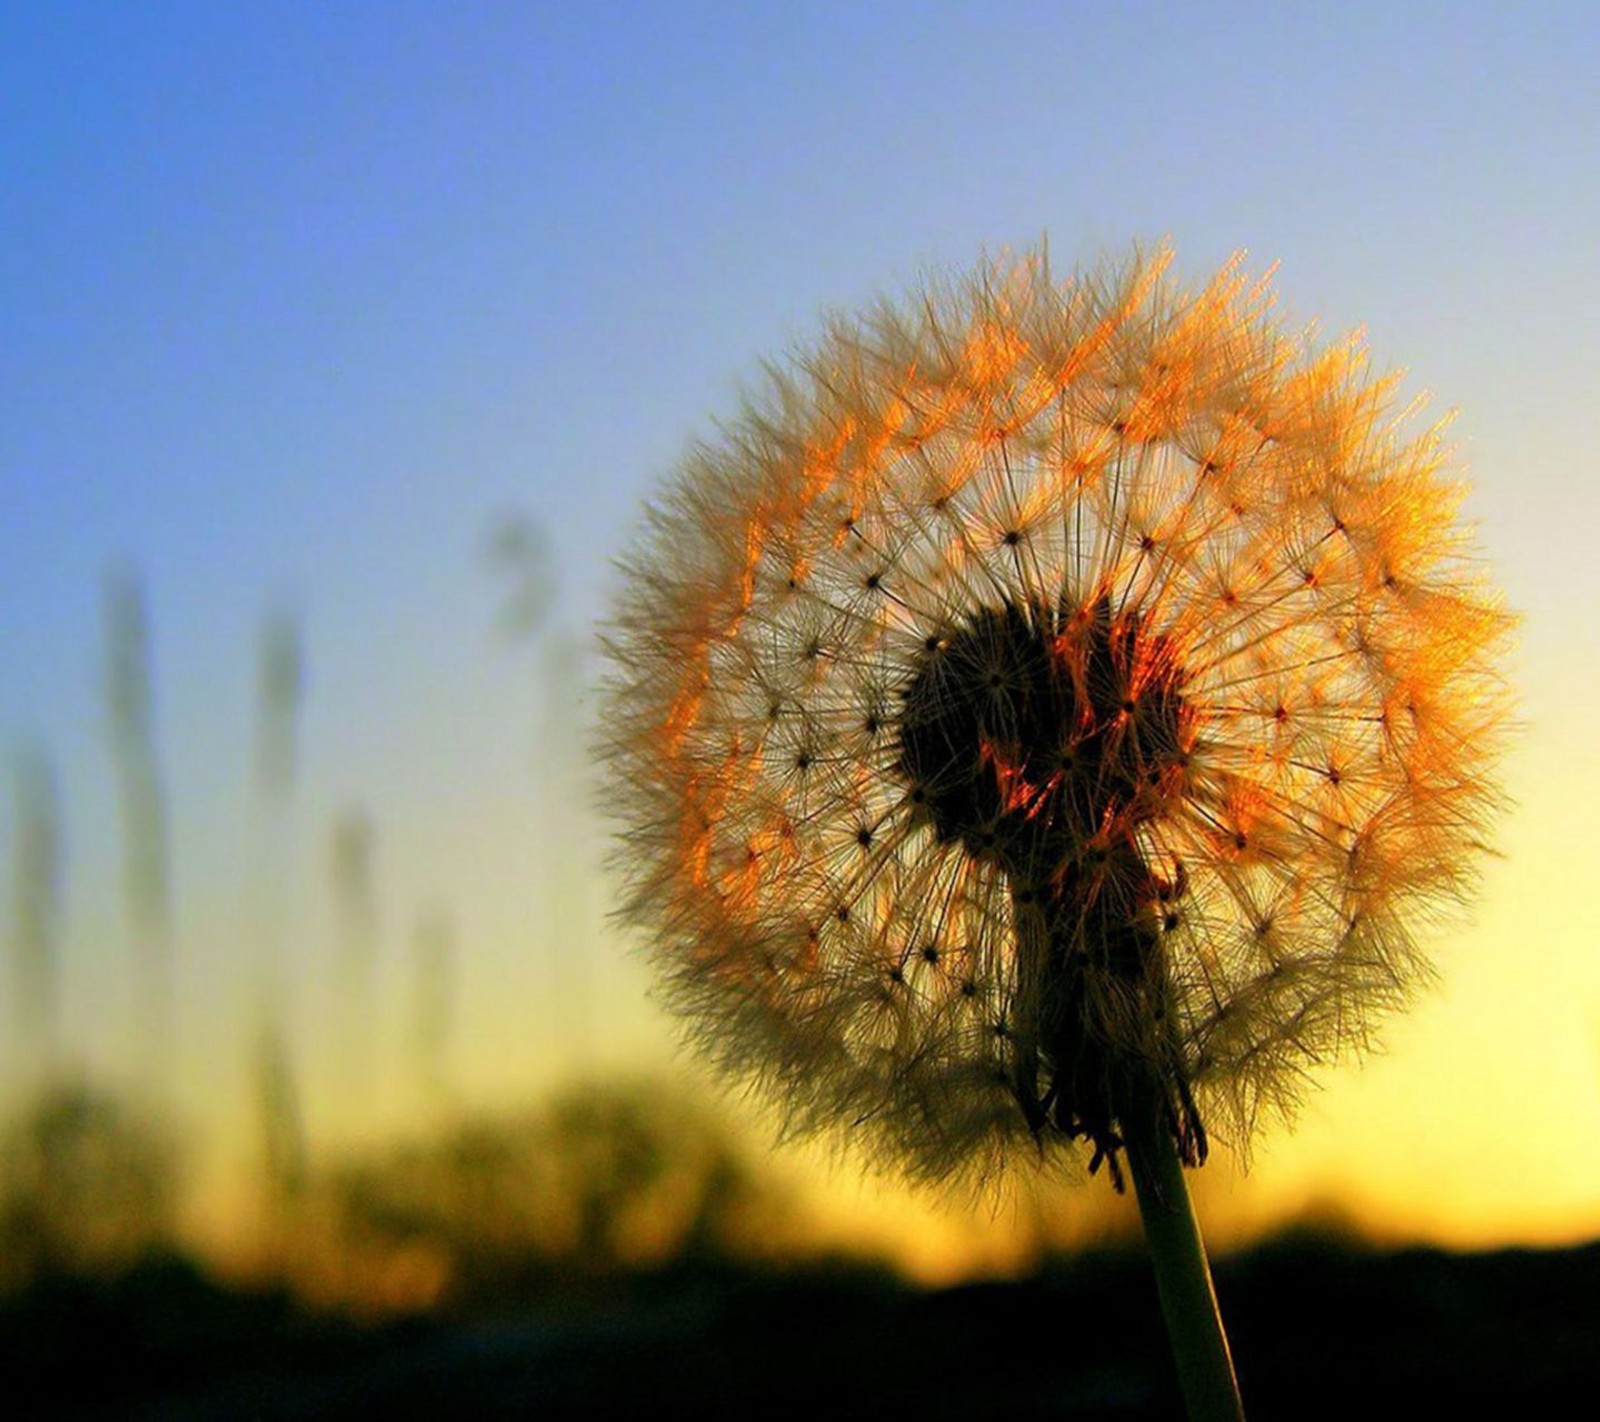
(1042, 734)
(1042, 740)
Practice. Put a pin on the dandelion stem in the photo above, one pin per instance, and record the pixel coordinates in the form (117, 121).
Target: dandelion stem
(1183, 1277)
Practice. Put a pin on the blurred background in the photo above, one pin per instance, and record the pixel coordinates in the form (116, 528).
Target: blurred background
(340, 346)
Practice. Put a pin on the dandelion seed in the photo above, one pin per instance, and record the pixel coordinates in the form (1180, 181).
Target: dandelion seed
(1184, 705)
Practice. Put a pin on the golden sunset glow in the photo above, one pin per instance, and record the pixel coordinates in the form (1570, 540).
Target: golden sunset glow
(645, 646)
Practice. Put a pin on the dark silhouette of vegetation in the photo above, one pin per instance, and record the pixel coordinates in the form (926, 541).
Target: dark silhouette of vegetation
(605, 1182)
(1425, 1332)
(87, 1186)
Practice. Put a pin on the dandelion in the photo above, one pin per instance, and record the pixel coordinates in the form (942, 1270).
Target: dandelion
(1043, 720)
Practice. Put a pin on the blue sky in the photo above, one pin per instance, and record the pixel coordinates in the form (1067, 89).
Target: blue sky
(295, 298)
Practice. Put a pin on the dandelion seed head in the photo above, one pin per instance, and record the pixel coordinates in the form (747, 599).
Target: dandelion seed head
(1046, 685)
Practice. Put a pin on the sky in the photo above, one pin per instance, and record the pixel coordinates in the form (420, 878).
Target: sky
(298, 300)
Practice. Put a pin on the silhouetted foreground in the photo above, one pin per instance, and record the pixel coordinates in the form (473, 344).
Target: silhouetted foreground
(1319, 1330)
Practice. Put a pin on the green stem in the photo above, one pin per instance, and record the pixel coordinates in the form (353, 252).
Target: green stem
(1183, 1277)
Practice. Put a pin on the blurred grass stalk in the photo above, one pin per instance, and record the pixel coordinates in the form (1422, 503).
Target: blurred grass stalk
(356, 907)
(131, 718)
(36, 911)
(433, 1006)
(285, 1155)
